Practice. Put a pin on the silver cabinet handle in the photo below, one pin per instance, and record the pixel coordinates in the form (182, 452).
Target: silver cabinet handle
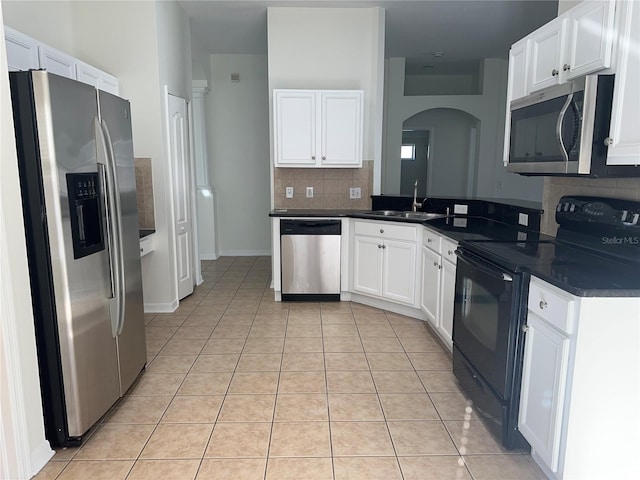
(554, 73)
(384, 246)
(542, 304)
(435, 264)
(379, 246)
(450, 252)
(313, 157)
(428, 240)
(566, 67)
(608, 141)
(381, 230)
(525, 328)
(324, 158)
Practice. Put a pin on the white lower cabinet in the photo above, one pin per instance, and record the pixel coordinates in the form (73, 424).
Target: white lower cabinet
(384, 261)
(544, 378)
(438, 283)
(581, 384)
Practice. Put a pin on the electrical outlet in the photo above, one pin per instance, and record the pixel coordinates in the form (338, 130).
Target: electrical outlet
(523, 219)
(354, 192)
(460, 209)
(288, 192)
(309, 192)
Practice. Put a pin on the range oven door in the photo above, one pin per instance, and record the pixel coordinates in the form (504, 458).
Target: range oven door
(486, 319)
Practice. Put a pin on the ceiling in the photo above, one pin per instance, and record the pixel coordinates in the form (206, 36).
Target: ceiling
(465, 31)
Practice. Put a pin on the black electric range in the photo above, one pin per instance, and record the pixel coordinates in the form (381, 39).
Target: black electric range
(596, 253)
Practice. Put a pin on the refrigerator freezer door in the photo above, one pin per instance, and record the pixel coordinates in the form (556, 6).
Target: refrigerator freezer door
(65, 112)
(116, 122)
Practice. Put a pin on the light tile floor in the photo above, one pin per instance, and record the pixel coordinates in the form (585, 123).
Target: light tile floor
(239, 387)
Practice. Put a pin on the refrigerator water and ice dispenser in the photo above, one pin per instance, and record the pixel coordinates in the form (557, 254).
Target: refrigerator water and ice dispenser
(86, 213)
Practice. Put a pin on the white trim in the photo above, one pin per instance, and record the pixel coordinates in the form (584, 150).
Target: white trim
(17, 460)
(206, 256)
(161, 307)
(245, 253)
(41, 456)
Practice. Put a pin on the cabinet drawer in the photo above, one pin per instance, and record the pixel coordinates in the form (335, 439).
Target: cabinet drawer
(386, 230)
(552, 305)
(431, 240)
(449, 249)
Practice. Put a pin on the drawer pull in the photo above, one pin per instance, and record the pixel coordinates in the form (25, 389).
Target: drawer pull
(450, 252)
(542, 304)
(381, 230)
(428, 240)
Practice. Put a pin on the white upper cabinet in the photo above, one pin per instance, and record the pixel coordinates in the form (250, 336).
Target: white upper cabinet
(26, 53)
(624, 133)
(546, 48)
(22, 51)
(57, 62)
(318, 128)
(591, 35)
(89, 74)
(575, 44)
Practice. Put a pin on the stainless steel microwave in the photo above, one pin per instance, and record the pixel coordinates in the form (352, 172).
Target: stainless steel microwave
(563, 130)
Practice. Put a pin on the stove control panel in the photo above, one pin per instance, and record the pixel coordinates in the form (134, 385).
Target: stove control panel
(596, 211)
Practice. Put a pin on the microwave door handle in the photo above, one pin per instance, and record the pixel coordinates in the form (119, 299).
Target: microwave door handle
(563, 111)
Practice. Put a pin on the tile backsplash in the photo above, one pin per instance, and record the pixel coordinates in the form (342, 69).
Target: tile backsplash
(330, 187)
(556, 187)
(144, 190)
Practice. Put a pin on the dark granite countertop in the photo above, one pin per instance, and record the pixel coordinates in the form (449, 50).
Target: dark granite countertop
(573, 270)
(144, 232)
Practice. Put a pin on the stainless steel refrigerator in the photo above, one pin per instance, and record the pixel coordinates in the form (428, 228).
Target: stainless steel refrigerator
(75, 156)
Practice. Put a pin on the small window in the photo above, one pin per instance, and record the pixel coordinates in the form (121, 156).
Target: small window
(408, 152)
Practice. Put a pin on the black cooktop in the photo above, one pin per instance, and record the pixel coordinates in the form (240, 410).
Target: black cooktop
(596, 251)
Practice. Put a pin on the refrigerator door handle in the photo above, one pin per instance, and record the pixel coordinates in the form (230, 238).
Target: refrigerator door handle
(111, 165)
(110, 206)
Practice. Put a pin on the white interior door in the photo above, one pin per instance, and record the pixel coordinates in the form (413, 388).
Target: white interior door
(180, 172)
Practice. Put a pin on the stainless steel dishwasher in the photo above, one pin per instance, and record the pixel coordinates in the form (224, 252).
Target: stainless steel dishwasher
(310, 253)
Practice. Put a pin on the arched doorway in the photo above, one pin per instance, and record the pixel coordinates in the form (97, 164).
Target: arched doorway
(445, 146)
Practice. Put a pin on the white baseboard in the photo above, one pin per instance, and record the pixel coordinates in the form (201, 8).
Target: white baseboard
(245, 253)
(40, 456)
(389, 306)
(161, 307)
(209, 256)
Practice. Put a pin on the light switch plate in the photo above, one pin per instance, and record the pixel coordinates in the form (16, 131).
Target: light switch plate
(523, 219)
(354, 192)
(309, 192)
(288, 192)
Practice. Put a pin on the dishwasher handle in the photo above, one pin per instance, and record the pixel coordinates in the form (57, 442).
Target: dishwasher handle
(310, 227)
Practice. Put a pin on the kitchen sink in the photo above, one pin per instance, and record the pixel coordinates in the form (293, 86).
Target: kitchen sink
(386, 213)
(407, 215)
(421, 215)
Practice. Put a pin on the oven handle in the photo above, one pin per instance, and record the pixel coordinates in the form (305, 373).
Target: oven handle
(484, 267)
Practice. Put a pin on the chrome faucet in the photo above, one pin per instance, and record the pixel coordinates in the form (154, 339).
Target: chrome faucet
(416, 204)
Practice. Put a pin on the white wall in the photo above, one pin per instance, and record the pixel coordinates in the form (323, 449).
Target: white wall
(200, 62)
(238, 146)
(489, 108)
(440, 84)
(329, 48)
(48, 21)
(23, 448)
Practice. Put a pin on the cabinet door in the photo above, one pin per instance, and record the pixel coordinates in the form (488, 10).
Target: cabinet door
(22, 51)
(367, 265)
(547, 45)
(430, 284)
(518, 69)
(590, 38)
(56, 62)
(295, 128)
(447, 296)
(544, 379)
(88, 74)
(109, 83)
(399, 271)
(341, 137)
(624, 133)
